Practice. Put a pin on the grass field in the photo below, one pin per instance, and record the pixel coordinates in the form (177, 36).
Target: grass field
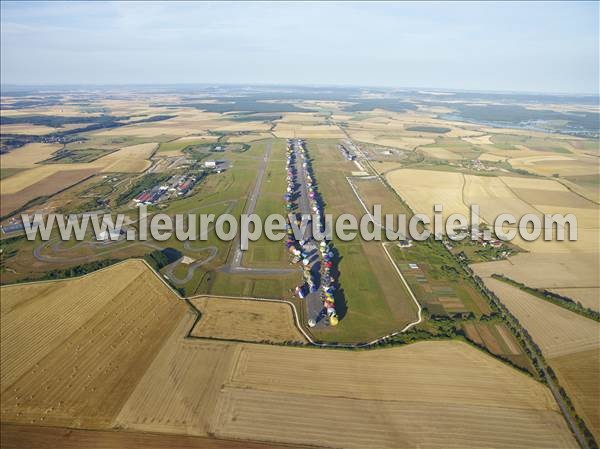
(264, 252)
(439, 283)
(176, 147)
(372, 300)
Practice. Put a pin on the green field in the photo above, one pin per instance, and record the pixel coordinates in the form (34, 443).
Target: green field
(372, 300)
(69, 156)
(429, 129)
(264, 252)
(177, 145)
(439, 282)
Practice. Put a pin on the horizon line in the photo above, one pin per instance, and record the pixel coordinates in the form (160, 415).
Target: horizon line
(338, 86)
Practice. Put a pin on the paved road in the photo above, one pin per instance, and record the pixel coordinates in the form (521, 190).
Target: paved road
(314, 304)
(236, 262)
(106, 248)
(251, 204)
(191, 267)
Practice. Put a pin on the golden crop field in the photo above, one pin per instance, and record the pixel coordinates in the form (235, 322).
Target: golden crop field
(308, 131)
(109, 350)
(246, 320)
(389, 139)
(556, 330)
(246, 126)
(302, 117)
(186, 122)
(479, 140)
(565, 165)
(28, 155)
(34, 175)
(383, 398)
(56, 181)
(422, 189)
(43, 180)
(494, 197)
(175, 147)
(570, 342)
(179, 392)
(578, 373)
(34, 130)
(547, 264)
(247, 138)
(441, 153)
(72, 355)
(15, 436)
(131, 159)
(588, 296)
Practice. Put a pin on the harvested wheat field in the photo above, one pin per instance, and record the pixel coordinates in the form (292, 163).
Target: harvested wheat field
(28, 129)
(290, 130)
(589, 297)
(380, 399)
(547, 264)
(72, 355)
(479, 140)
(386, 398)
(388, 139)
(422, 189)
(440, 153)
(494, 197)
(26, 178)
(14, 436)
(180, 390)
(578, 373)
(570, 343)
(49, 185)
(549, 164)
(556, 330)
(185, 123)
(551, 265)
(132, 159)
(245, 320)
(246, 126)
(118, 357)
(491, 157)
(250, 137)
(28, 155)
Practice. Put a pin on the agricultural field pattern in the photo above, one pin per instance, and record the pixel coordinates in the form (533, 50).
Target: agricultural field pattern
(110, 342)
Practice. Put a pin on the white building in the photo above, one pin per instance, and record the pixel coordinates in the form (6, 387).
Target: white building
(107, 236)
(210, 164)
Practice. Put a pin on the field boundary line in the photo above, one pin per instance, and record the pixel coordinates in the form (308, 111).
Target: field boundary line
(258, 299)
(187, 299)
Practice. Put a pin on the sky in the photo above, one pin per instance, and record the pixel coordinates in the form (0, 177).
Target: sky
(512, 46)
